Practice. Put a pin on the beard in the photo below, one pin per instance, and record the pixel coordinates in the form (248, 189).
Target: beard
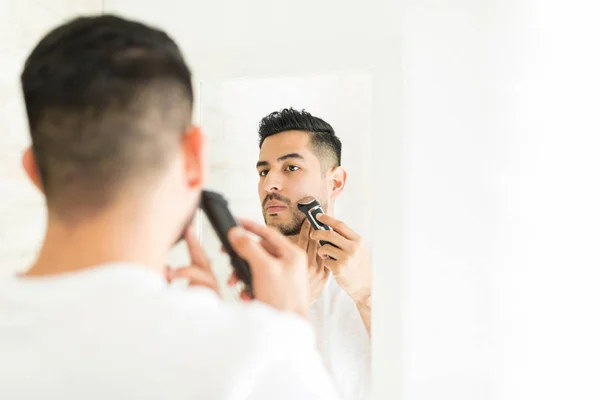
(293, 227)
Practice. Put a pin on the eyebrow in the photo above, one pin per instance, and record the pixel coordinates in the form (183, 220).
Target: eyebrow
(282, 158)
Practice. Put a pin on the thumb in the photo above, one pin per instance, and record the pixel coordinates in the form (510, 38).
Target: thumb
(247, 248)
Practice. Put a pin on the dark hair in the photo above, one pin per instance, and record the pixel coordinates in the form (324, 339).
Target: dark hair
(323, 138)
(107, 101)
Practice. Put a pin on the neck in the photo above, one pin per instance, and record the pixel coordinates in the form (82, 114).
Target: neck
(119, 236)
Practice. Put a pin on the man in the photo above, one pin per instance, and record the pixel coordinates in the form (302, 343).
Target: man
(300, 155)
(109, 103)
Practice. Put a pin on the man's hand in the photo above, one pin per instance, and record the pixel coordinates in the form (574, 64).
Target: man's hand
(279, 268)
(199, 272)
(349, 262)
(317, 273)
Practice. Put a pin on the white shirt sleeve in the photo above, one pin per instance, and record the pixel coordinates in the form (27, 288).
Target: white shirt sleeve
(301, 377)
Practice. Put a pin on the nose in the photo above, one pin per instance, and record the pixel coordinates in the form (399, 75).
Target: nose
(272, 182)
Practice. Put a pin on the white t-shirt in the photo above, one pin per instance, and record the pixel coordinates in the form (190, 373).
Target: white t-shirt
(121, 332)
(343, 341)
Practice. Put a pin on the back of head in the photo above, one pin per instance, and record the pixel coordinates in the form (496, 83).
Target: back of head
(107, 102)
(324, 142)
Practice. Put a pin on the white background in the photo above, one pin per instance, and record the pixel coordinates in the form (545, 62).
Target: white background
(485, 142)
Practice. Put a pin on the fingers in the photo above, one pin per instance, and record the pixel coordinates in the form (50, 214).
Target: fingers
(332, 237)
(168, 271)
(338, 226)
(271, 249)
(197, 277)
(247, 248)
(245, 296)
(233, 279)
(275, 242)
(328, 252)
(304, 236)
(271, 237)
(311, 251)
(197, 255)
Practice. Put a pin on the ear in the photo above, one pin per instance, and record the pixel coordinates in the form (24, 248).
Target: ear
(193, 149)
(30, 166)
(338, 181)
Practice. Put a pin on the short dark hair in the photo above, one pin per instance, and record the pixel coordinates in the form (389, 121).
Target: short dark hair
(107, 101)
(323, 139)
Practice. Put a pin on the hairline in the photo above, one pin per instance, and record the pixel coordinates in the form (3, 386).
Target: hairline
(313, 147)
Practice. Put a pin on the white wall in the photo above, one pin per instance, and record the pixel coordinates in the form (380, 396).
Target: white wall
(501, 194)
(22, 219)
(547, 236)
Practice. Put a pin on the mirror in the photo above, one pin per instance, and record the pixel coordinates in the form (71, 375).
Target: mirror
(230, 111)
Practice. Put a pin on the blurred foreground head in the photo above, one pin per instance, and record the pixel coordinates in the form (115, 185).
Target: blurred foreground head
(109, 103)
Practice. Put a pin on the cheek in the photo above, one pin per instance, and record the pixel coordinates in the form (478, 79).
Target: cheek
(261, 187)
(306, 185)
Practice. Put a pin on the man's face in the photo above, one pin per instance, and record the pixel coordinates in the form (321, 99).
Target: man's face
(288, 170)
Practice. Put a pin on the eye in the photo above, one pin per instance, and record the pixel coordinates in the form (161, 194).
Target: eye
(263, 172)
(292, 168)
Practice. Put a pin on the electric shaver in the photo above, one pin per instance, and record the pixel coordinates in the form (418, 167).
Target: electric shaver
(311, 208)
(216, 209)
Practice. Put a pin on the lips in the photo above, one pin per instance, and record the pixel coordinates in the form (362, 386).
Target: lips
(274, 207)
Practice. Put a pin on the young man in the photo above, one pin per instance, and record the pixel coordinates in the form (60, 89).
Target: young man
(109, 104)
(300, 156)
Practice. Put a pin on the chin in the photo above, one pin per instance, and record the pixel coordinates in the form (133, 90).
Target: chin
(275, 220)
(275, 217)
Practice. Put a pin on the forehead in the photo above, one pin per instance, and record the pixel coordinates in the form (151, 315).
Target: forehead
(284, 143)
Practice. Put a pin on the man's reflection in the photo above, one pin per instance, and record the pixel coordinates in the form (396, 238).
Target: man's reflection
(300, 155)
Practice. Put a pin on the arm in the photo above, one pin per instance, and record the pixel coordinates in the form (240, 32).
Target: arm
(349, 261)
(364, 309)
